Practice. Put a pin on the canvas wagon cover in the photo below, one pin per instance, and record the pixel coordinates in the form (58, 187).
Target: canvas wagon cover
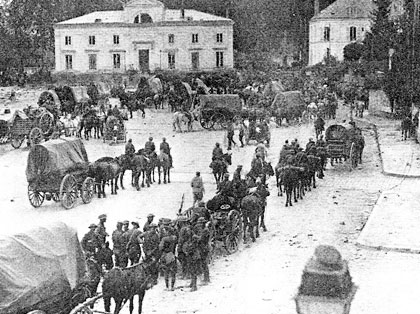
(289, 99)
(38, 265)
(213, 101)
(79, 93)
(155, 85)
(54, 158)
(336, 132)
(53, 94)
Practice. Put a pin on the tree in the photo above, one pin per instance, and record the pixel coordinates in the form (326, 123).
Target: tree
(353, 51)
(382, 35)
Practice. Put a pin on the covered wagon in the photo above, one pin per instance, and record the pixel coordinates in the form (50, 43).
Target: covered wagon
(42, 269)
(59, 170)
(219, 109)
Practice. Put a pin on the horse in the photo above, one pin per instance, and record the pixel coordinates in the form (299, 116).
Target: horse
(289, 176)
(164, 164)
(359, 106)
(139, 165)
(314, 166)
(319, 126)
(219, 166)
(179, 118)
(123, 284)
(103, 170)
(251, 208)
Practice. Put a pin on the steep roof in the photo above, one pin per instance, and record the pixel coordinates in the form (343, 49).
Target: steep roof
(347, 9)
(119, 17)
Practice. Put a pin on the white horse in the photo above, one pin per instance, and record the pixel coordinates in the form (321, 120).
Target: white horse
(181, 118)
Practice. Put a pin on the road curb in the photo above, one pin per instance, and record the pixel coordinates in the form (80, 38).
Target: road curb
(387, 249)
(384, 172)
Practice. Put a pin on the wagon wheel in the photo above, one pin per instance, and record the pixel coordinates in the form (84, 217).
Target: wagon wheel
(35, 136)
(55, 197)
(17, 141)
(87, 190)
(233, 238)
(46, 123)
(68, 191)
(205, 120)
(36, 198)
(353, 156)
(219, 118)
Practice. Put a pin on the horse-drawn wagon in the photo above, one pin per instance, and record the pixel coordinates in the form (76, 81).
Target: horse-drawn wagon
(219, 110)
(59, 170)
(33, 124)
(288, 106)
(43, 270)
(343, 143)
(74, 99)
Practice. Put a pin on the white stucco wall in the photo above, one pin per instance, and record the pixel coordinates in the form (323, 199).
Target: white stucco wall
(132, 38)
(339, 37)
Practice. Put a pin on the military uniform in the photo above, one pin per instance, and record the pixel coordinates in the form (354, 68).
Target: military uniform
(217, 153)
(203, 246)
(119, 248)
(151, 244)
(101, 234)
(133, 246)
(164, 146)
(167, 248)
(197, 189)
(185, 234)
(129, 149)
(90, 242)
(192, 252)
(149, 147)
(225, 188)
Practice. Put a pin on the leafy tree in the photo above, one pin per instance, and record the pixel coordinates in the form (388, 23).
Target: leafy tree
(353, 51)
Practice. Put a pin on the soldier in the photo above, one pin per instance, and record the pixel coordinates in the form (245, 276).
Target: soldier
(261, 150)
(118, 245)
(133, 245)
(199, 211)
(310, 144)
(230, 134)
(149, 146)
(225, 186)
(151, 242)
(320, 142)
(217, 152)
(129, 148)
(101, 230)
(150, 218)
(167, 248)
(184, 235)
(203, 244)
(125, 239)
(105, 256)
(237, 174)
(164, 146)
(197, 188)
(241, 132)
(192, 253)
(90, 242)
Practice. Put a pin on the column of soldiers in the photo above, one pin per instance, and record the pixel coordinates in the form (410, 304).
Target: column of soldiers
(184, 240)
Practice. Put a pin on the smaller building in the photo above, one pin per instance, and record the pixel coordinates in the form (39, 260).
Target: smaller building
(341, 23)
(144, 36)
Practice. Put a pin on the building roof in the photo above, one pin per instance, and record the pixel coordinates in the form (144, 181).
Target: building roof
(119, 17)
(347, 9)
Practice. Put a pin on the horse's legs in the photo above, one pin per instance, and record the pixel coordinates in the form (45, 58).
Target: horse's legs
(131, 307)
(168, 171)
(141, 297)
(107, 304)
(262, 222)
(143, 172)
(159, 170)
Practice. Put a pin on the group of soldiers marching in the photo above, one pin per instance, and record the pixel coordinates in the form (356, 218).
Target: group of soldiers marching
(184, 240)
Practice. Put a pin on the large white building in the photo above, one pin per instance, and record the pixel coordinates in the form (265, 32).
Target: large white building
(341, 23)
(144, 36)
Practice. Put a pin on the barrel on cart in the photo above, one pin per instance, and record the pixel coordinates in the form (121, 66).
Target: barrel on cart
(59, 170)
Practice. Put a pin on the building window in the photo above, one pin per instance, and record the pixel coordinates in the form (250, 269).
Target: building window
(117, 60)
(91, 40)
(69, 62)
(219, 59)
(327, 33)
(171, 60)
(353, 34)
(195, 38)
(67, 40)
(195, 60)
(171, 38)
(116, 39)
(92, 62)
(219, 37)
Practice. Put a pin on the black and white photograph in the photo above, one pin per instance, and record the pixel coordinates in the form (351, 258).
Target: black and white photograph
(209, 156)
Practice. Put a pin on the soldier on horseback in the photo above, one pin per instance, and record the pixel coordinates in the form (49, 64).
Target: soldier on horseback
(164, 146)
(225, 187)
(129, 148)
(149, 146)
(217, 152)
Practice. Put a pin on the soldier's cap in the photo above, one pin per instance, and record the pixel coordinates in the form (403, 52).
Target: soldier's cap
(92, 226)
(103, 216)
(163, 138)
(201, 220)
(197, 173)
(126, 222)
(182, 219)
(150, 216)
(119, 223)
(153, 226)
(166, 221)
(150, 138)
(201, 204)
(135, 223)
(130, 140)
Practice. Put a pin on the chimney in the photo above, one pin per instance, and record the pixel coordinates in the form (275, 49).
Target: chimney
(316, 7)
(182, 13)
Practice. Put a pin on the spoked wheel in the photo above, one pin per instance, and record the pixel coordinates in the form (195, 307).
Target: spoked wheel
(55, 197)
(353, 156)
(46, 123)
(206, 122)
(35, 136)
(68, 191)
(218, 119)
(17, 141)
(87, 190)
(234, 237)
(36, 198)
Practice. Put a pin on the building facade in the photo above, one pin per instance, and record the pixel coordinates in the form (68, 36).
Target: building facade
(144, 36)
(341, 23)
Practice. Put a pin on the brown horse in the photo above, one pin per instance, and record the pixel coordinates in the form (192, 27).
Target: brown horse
(104, 170)
(123, 284)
